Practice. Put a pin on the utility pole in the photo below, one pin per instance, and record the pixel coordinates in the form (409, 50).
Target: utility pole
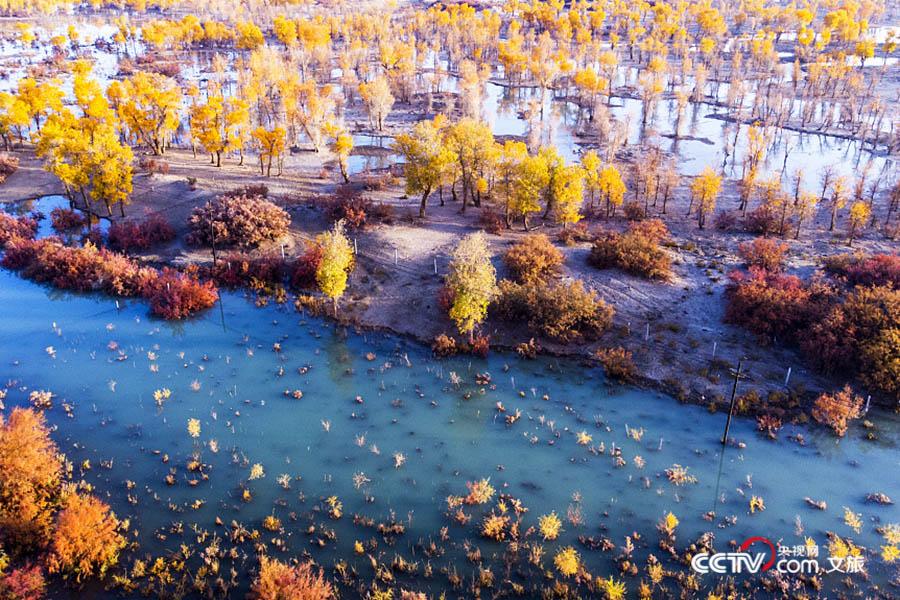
(737, 375)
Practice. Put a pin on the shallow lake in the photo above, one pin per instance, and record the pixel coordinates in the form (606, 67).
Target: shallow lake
(106, 362)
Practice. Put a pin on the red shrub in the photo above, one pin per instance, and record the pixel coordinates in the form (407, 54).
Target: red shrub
(240, 270)
(877, 269)
(491, 221)
(761, 220)
(303, 276)
(25, 583)
(80, 269)
(764, 253)
(244, 221)
(176, 295)
(172, 295)
(12, 227)
(773, 305)
(129, 236)
(66, 219)
(481, 346)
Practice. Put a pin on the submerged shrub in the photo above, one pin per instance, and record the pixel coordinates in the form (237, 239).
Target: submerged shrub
(261, 273)
(244, 221)
(444, 346)
(563, 311)
(31, 471)
(532, 259)
(16, 227)
(66, 219)
(86, 541)
(637, 251)
(838, 409)
(278, 581)
(129, 236)
(24, 583)
(177, 295)
(82, 269)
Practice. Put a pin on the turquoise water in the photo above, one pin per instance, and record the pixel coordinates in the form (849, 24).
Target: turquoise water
(106, 362)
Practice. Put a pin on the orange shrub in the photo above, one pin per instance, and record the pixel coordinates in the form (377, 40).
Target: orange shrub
(278, 581)
(86, 541)
(764, 253)
(532, 259)
(618, 363)
(838, 409)
(565, 311)
(637, 251)
(31, 471)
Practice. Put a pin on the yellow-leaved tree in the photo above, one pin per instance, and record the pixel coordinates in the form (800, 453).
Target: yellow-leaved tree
(471, 282)
(336, 263)
(705, 190)
(148, 105)
(427, 159)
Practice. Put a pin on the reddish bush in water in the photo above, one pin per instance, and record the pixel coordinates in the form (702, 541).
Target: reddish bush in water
(278, 581)
(877, 269)
(172, 294)
(177, 295)
(240, 270)
(481, 345)
(244, 221)
(764, 253)
(129, 236)
(303, 276)
(83, 269)
(16, 227)
(66, 219)
(25, 583)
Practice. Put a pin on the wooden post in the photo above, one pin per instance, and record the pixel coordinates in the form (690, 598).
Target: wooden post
(647, 332)
(395, 257)
(737, 375)
(715, 345)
